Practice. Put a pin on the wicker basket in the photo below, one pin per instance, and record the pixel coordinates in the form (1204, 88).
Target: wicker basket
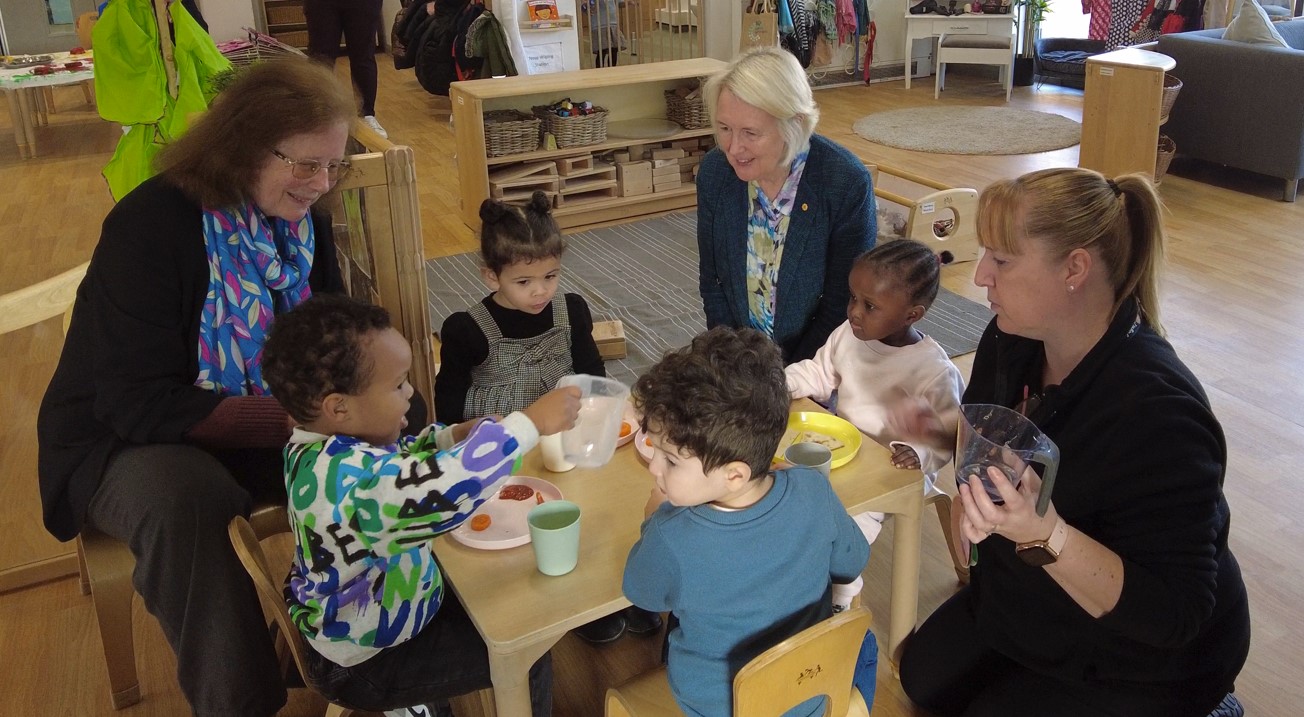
(689, 114)
(295, 38)
(285, 15)
(1164, 156)
(1172, 86)
(510, 132)
(576, 130)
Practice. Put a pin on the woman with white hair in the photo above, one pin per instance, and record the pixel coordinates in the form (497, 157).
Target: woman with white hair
(781, 211)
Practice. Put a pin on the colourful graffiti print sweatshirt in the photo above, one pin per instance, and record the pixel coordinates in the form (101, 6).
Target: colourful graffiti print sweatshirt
(364, 577)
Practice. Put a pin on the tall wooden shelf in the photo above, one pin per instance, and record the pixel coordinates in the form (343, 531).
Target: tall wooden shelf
(627, 92)
(286, 23)
(1120, 111)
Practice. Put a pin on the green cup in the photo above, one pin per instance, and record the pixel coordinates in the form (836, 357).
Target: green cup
(555, 535)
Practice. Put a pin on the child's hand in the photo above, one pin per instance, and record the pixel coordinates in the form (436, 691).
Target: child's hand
(914, 419)
(904, 456)
(555, 411)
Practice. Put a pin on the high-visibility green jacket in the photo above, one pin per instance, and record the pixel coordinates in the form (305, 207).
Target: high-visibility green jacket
(131, 84)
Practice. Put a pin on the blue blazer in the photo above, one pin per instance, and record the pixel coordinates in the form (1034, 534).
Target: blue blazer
(833, 221)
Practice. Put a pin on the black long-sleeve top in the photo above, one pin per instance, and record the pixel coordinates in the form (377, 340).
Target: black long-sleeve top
(128, 367)
(1141, 472)
(463, 346)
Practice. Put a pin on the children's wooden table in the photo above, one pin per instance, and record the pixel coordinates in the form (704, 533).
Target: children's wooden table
(30, 100)
(521, 613)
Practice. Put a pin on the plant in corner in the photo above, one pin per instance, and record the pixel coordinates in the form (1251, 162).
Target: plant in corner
(1029, 14)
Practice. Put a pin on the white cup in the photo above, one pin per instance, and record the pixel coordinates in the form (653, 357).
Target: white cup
(554, 458)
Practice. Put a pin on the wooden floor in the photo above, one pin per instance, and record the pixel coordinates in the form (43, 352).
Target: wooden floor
(1233, 306)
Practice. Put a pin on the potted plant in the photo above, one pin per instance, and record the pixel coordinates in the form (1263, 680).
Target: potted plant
(1028, 21)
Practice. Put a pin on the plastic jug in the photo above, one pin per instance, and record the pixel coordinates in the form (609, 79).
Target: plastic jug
(991, 435)
(592, 441)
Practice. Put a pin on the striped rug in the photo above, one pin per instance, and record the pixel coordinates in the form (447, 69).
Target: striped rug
(645, 274)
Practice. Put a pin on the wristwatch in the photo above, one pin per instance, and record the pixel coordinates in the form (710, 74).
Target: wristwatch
(1044, 552)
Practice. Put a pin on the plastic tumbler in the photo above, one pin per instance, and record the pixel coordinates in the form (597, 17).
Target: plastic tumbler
(555, 535)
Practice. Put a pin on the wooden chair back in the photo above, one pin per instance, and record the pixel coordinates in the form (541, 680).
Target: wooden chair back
(36, 303)
(820, 660)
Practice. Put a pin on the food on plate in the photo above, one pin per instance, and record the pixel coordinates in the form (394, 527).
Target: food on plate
(538, 498)
(799, 435)
(480, 522)
(516, 492)
(625, 429)
(647, 441)
(827, 441)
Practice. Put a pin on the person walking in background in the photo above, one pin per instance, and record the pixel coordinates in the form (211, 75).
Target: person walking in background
(359, 22)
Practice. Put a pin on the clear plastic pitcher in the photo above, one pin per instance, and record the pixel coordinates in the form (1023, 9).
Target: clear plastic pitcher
(592, 441)
(996, 436)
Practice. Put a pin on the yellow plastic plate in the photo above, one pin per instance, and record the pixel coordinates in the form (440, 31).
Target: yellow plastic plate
(829, 425)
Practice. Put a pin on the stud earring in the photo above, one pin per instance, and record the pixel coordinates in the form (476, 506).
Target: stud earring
(1070, 288)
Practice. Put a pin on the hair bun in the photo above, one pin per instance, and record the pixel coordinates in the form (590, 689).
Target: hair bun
(540, 203)
(492, 211)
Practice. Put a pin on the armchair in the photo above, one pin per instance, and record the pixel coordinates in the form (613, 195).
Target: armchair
(1241, 105)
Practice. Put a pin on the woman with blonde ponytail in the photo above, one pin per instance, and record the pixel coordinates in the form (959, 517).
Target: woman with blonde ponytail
(1124, 598)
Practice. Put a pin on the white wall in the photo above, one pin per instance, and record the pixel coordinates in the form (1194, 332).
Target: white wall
(227, 18)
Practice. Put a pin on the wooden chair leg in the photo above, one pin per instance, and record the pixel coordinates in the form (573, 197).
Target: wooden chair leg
(109, 566)
(942, 501)
(83, 577)
(88, 91)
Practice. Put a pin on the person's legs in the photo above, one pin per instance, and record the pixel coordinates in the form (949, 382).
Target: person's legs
(944, 665)
(446, 659)
(361, 21)
(325, 25)
(171, 505)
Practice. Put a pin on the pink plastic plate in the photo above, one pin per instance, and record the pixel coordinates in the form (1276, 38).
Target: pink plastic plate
(507, 528)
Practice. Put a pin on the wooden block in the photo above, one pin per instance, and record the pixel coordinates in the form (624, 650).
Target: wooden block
(668, 185)
(634, 171)
(687, 145)
(598, 191)
(666, 171)
(600, 170)
(610, 338)
(659, 163)
(522, 169)
(501, 190)
(636, 152)
(620, 157)
(571, 165)
(670, 153)
(635, 188)
(690, 161)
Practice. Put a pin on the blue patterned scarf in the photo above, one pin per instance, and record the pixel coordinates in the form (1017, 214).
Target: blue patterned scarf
(256, 268)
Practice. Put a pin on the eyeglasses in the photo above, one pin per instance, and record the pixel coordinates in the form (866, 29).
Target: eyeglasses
(308, 168)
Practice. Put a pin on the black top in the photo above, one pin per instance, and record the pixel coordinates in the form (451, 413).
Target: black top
(1141, 471)
(129, 362)
(463, 346)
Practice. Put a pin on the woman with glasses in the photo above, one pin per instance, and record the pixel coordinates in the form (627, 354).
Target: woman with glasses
(782, 213)
(157, 427)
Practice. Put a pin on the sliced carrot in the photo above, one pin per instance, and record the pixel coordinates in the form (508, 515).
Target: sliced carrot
(538, 497)
(625, 428)
(480, 522)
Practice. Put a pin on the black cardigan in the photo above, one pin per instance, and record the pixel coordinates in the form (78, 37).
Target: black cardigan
(1142, 464)
(127, 371)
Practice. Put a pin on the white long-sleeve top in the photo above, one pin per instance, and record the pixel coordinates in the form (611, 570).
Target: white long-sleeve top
(870, 375)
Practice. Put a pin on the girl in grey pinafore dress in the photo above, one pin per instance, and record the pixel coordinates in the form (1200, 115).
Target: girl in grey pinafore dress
(518, 371)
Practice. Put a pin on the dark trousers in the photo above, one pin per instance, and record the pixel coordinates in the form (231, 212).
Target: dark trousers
(950, 672)
(358, 21)
(446, 659)
(171, 505)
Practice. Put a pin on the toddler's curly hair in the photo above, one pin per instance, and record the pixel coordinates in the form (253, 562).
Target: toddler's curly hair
(723, 398)
(510, 234)
(319, 348)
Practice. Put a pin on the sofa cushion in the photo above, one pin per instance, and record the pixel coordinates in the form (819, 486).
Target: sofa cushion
(1251, 25)
(1069, 62)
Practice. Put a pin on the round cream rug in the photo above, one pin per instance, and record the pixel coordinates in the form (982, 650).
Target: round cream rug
(970, 130)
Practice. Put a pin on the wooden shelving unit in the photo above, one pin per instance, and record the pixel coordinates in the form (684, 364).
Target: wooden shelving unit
(286, 23)
(1120, 111)
(628, 92)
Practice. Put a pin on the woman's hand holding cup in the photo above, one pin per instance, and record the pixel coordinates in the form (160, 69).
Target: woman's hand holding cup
(555, 411)
(1016, 519)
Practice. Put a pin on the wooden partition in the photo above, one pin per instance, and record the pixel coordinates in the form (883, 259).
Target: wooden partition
(377, 224)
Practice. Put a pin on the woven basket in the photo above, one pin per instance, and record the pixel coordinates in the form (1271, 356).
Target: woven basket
(575, 130)
(689, 114)
(1172, 86)
(285, 15)
(1164, 156)
(510, 132)
(296, 38)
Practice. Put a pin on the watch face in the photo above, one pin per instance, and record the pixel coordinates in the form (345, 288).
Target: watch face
(1037, 555)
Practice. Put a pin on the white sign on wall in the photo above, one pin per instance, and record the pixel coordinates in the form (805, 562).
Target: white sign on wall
(542, 59)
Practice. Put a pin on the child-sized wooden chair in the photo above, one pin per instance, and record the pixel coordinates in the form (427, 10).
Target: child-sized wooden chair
(245, 543)
(820, 660)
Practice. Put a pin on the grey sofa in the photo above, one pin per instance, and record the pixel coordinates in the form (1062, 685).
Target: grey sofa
(1241, 105)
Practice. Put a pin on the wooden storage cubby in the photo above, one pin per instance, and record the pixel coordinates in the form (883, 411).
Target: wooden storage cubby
(628, 92)
(285, 22)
